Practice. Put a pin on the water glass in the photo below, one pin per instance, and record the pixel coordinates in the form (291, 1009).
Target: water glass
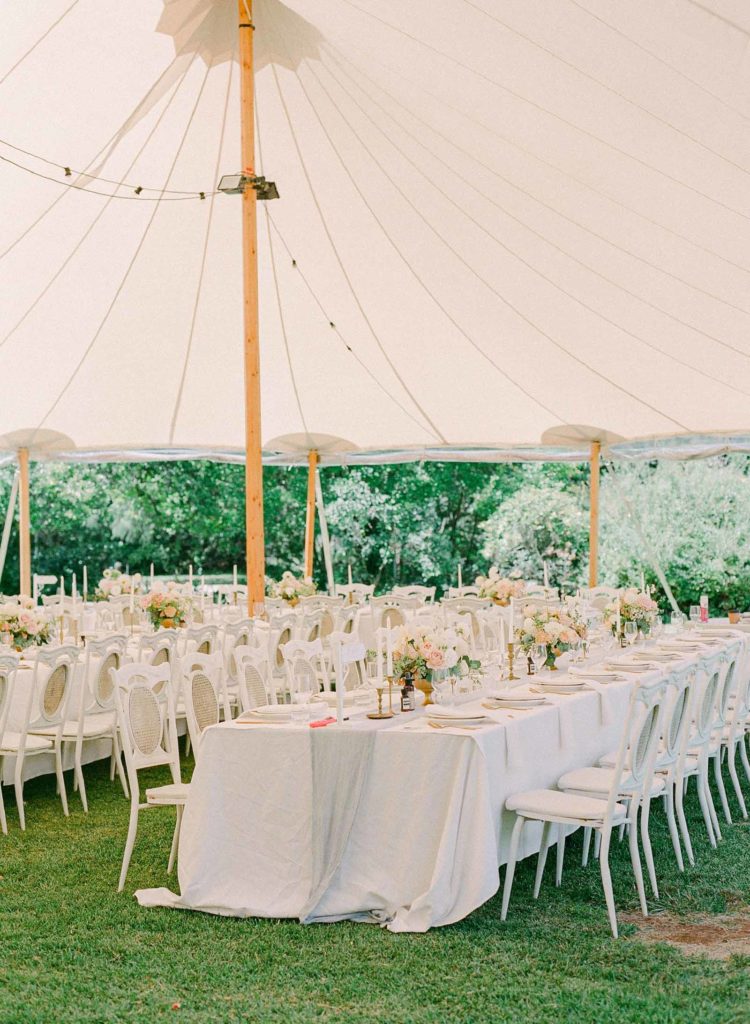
(538, 657)
(631, 632)
(695, 614)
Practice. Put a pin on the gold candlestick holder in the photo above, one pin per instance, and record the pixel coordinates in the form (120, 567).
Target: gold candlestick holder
(61, 624)
(380, 713)
(511, 655)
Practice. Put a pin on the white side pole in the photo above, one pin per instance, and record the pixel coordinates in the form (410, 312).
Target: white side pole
(8, 522)
(324, 534)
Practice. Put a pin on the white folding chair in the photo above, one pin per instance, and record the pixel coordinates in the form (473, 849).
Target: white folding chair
(564, 807)
(148, 730)
(355, 670)
(236, 634)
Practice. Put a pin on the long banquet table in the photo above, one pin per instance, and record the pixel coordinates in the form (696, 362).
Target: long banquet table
(390, 822)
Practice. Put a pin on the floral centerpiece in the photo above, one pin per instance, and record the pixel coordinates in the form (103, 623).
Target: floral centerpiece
(290, 588)
(557, 628)
(22, 625)
(115, 583)
(167, 606)
(635, 606)
(499, 588)
(419, 651)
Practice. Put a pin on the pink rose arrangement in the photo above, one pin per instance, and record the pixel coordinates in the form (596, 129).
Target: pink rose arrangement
(557, 628)
(167, 608)
(499, 588)
(635, 606)
(425, 649)
(290, 588)
(115, 583)
(22, 625)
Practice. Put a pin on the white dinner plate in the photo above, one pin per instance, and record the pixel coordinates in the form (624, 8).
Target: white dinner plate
(518, 696)
(559, 687)
(351, 697)
(454, 714)
(534, 700)
(602, 675)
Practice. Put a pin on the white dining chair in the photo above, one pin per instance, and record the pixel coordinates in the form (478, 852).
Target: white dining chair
(44, 716)
(253, 676)
(203, 693)
(94, 717)
(146, 718)
(566, 808)
(425, 594)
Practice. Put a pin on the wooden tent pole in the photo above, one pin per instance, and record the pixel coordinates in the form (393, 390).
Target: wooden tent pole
(24, 523)
(312, 465)
(594, 513)
(254, 540)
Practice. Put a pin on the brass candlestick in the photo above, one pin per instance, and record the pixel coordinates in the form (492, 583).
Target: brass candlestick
(62, 629)
(380, 713)
(511, 655)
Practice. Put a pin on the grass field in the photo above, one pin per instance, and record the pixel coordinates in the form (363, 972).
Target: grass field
(73, 949)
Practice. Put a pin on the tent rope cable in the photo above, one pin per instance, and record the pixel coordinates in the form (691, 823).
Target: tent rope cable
(193, 194)
(132, 261)
(342, 267)
(109, 195)
(550, 113)
(558, 418)
(204, 256)
(441, 160)
(541, 160)
(519, 313)
(330, 320)
(41, 39)
(110, 142)
(603, 85)
(100, 213)
(657, 57)
(482, 227)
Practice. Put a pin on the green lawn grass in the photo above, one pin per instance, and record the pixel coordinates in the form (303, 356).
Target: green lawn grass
(73, 949)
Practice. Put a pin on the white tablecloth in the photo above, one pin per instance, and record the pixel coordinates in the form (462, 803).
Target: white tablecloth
(424, 832)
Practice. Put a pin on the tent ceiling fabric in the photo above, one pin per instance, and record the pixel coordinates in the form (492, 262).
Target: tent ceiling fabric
(496, 219)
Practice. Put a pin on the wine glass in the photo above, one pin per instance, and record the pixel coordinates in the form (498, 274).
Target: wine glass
(538, 657)
(695, 615)
(631, 633)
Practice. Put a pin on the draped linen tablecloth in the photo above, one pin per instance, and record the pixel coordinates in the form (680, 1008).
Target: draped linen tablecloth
(394, 822)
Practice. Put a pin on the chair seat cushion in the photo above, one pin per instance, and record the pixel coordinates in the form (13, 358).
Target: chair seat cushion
(173, 793)
(93, 725)
(11, 742)
(599, 781)
(542, 803)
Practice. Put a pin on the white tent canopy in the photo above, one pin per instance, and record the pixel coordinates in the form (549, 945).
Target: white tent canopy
(495, 218)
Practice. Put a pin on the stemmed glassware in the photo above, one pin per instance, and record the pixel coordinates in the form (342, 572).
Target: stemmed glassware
(538, 657)
(631, 633)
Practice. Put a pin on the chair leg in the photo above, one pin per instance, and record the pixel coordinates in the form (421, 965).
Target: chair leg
(609, 895)
(635, 857)
(712, 809)
(542, 858)
(118, 761)
(61, 779)
(597, 843)
(732, 764)
(646, 841)
(175, 840)
(704, 798)
(560, 860)
(18, 786)
(720, 786)
(586, 846)
(511, 865)
(671, 821)
(679, 792)
(3, 819)
(78, 777)
(744, 758)
(129, 844)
